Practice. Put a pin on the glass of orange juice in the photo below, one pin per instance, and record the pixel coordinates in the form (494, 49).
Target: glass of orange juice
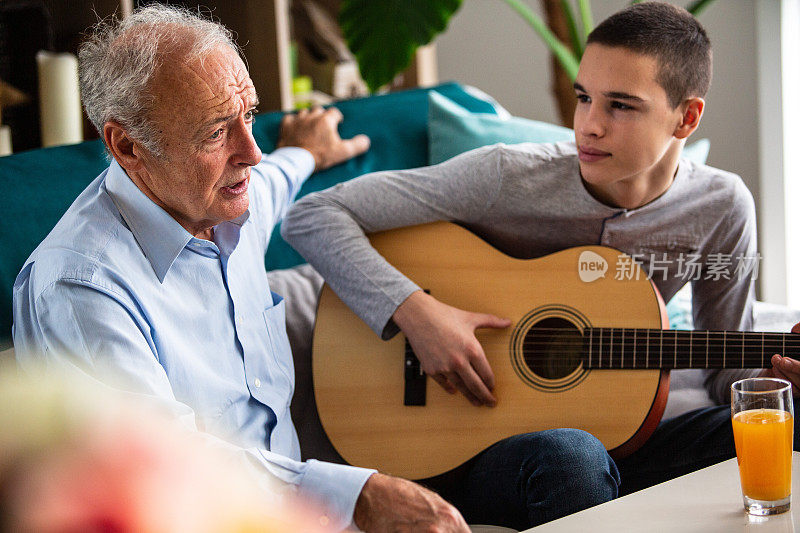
(763, 427)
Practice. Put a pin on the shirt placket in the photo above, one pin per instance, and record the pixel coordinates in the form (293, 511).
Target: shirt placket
(253, 336)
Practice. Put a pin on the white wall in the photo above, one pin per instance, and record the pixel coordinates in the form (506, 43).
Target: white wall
(772, 206)
(790, 111)
(490, 46)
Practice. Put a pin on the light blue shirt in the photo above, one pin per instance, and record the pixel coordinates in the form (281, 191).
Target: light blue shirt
(119, 288)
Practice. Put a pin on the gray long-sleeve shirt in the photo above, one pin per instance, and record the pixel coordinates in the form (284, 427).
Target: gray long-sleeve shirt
(528, 200)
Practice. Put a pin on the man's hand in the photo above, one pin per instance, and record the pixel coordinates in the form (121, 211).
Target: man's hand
(786, 368)
(395, 505)
(317, 131)
(443, 338)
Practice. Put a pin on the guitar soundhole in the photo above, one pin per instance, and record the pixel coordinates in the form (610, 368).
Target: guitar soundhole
(552, 348)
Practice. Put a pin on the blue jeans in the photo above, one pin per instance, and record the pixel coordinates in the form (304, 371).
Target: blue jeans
(680, 445)
(530, 479)
(533, 478)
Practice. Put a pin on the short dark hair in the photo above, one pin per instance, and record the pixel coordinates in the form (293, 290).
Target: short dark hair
(672, 36)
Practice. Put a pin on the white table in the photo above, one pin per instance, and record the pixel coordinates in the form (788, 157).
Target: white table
(708, 500)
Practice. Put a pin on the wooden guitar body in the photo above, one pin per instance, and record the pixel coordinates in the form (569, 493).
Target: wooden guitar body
(359, 379)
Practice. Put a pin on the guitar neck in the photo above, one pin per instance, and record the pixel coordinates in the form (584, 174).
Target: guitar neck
(630, 348)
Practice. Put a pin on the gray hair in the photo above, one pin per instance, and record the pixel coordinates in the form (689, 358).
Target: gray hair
(120, 58)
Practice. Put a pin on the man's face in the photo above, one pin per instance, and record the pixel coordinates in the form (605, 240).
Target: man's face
(204, 109)
(624, 122)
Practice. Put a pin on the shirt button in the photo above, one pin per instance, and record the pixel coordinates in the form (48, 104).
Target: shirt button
(257, 383)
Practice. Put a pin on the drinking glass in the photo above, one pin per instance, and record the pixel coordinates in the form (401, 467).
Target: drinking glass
(763, 426)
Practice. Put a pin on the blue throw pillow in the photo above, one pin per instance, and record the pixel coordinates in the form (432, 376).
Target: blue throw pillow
(697, 152)
(679, 309)
(453, 130)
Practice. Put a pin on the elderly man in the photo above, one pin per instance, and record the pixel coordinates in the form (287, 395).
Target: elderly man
(154, 278)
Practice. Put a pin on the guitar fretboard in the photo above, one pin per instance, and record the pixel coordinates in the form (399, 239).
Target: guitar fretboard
(622, 348)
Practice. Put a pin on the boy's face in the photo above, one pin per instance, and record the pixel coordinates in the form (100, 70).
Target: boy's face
(624, 126)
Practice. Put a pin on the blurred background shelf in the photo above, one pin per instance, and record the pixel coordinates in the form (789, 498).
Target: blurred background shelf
(282, 40)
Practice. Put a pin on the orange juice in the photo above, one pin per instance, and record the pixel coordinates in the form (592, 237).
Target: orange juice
(763, 440)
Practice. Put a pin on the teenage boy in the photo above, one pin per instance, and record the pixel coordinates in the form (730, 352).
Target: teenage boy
(622, 183)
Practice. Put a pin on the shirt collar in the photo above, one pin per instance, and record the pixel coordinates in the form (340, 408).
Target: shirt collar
(159, 235)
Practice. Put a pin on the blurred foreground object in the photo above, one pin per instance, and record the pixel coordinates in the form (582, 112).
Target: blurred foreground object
(79, 457)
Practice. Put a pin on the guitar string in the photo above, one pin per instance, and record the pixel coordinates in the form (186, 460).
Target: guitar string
(732, 347)
(669, 335)
(680, 339)
(677, 340)
(616, 362)
(655, 339)
(556, 350)
(533, 347)
(679, 331)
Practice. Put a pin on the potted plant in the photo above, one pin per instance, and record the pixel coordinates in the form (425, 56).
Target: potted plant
(385, 34)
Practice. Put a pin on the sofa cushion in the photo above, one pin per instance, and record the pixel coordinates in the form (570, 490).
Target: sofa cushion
(38, 185)
(453, 130)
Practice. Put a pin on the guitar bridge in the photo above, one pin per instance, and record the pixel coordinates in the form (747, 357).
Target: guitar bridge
(415, 379)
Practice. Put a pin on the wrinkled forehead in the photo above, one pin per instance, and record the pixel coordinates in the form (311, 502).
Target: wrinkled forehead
(215, 79)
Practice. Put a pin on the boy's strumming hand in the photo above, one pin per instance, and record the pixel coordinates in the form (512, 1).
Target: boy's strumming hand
(443, 338)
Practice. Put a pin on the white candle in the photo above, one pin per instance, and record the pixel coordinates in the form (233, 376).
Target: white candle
(59, 99)
(5, 140)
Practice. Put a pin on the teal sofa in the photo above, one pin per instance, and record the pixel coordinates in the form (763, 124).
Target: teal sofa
(39, 185)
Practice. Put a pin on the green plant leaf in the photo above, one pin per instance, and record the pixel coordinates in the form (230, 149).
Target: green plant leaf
(696, 7)
(384, 34)
(578, 42)
(585, 9)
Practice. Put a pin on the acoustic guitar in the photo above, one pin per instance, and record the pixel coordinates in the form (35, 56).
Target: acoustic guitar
(587, 349)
